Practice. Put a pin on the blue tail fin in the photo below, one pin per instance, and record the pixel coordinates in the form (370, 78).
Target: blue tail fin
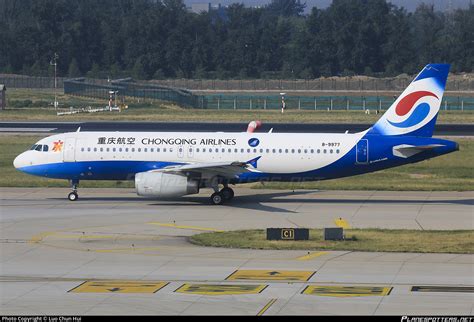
(415, 111)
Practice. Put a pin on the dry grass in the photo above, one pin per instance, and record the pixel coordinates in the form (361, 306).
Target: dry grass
(371, 240)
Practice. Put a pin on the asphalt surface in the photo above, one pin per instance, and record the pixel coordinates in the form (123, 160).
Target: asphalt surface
(61, 127)
(112, 252)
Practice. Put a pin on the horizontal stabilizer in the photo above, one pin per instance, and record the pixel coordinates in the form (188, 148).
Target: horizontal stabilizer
(406, 151)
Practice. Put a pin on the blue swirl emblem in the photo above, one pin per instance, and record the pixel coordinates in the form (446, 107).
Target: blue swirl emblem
(419, 114)
(253, 142)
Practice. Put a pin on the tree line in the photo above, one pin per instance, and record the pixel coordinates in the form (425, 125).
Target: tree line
(158, 39)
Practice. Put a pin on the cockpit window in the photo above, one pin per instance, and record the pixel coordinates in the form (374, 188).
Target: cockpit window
(45, 148)
(39, 147)
(34, 146)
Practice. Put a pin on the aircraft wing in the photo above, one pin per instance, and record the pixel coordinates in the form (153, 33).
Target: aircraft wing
(226, 169)
(406, 151)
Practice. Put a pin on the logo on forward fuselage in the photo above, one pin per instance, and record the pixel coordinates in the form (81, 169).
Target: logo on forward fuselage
(58, 146)
(253, 142)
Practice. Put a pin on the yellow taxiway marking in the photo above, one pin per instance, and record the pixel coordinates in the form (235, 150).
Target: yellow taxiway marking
(270, 275)
(311, 256)
(39, 237)
(185, 227)
(342, 223)
(266, 307)
(119, 287)
(214, 289)
(347, 291)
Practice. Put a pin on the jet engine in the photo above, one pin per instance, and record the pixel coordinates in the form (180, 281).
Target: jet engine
(164, 185)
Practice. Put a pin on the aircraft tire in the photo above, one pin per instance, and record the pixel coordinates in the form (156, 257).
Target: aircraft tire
(217, 198)
(73, 196)
(227, 193)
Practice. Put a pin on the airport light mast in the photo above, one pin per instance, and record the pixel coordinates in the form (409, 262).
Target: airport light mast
(54, 63)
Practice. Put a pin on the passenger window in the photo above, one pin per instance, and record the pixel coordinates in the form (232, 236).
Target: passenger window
(319, 151)
(95, 149)
(145, 150)
(236, 150)
(82, 149)
(312, 151)
(101, 149)
(330, 151)
(279, 150)
(88, 149)
(292, 150)
(324, 151)
(151, 149)
(164, 149)
(274, 151)
(157, 149)
(113, 149)
(108, 149)
(223, 150)
(337, 151)
(242, 150)
(286, 150)
(139, 149)
(261, 150)
(120, 149)
(305, 151)
(229, 150)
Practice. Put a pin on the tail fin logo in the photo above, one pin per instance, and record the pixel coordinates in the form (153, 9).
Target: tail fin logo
(406, 104)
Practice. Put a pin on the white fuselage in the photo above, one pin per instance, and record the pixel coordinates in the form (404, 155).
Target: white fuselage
(278, 152)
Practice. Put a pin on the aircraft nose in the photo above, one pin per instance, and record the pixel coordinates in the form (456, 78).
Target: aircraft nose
(20, 161)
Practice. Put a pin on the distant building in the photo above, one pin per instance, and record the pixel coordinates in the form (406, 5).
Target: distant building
(200, 7)
(204, 7)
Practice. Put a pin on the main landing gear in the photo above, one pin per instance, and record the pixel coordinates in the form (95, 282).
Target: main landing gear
(224, 195)
(73, 196)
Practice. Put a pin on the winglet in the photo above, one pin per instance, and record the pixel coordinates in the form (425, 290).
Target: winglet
(253, 162)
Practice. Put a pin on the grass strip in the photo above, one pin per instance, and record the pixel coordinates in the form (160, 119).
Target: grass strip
(370, 240)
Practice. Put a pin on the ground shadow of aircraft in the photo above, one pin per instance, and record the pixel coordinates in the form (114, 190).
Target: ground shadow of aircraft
(261, 201)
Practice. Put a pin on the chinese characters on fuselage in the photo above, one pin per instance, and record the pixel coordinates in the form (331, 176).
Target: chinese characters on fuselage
(167, 141)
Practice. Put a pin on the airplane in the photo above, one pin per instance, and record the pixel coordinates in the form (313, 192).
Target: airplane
(173, 164)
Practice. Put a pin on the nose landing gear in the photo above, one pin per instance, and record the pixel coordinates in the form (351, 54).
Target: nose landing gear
(73, 196)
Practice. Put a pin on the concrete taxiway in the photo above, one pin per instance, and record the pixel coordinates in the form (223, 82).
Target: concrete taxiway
(113, 252)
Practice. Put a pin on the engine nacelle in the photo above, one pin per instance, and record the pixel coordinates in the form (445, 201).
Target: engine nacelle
(164, 185)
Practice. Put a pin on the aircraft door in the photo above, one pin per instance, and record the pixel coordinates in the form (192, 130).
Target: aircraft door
(362, 152)
(69, 152)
